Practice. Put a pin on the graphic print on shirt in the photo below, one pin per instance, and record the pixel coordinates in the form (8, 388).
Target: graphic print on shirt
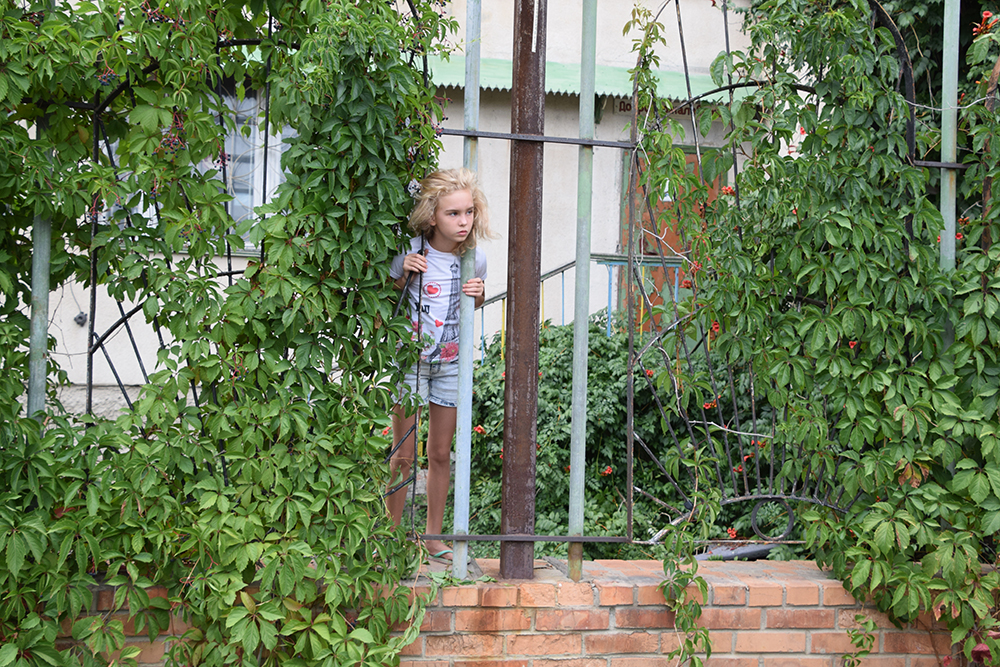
(447, 348)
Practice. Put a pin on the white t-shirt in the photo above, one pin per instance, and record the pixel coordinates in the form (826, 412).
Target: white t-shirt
(439, 304)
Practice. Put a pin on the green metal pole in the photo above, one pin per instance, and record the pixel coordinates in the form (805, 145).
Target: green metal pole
(467, 307)
(581, 303)
(949, 124)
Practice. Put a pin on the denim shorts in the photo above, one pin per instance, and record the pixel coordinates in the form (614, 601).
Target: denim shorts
(438, 383)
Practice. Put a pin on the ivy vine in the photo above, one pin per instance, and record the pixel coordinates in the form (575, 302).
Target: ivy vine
(818, 266)
(246, 479)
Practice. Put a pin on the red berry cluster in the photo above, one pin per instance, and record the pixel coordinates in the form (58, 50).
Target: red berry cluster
(686, 284)
(728, 190)
(607, 471)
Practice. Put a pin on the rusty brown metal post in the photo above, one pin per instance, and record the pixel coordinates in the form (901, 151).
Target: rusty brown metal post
(523, 274)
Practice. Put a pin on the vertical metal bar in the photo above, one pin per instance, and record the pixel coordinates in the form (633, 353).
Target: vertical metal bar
(38, 343)
(611, 281)
(523, 274)
(581, 298)
(949, 122)
(467, 306)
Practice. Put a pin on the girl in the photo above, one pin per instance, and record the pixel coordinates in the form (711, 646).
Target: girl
(449, 216)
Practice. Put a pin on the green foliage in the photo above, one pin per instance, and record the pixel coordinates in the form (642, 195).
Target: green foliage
(605, 511)
(247, 479)
(821, 268)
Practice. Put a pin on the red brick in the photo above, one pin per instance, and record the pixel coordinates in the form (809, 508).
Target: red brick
(622, 642)
(925, 621)
(801, 618)
(735, 619)
(567, 644)
(149, 651)
(416, 648)
(644, 661)
(830, 642)
(460, 596)
(771, 642)
(423, 663)
(537, 595)
(919, 662)
(574, 595)
(491, 620)
(572, 619)
(178, 626)
(498, 595)
(880, 661)
(105, 599)
(157, 592)
(835, 595)
(649, 594)
(782, 661)
(421, 591)
(632, 617)
(720, 641)
(694, 594)
(464, 646)
(571, 662)
(801, 594)
(729, 593)
(614, 593)
(916, 642)
(436, 620)
(491, 663)
(730, 662)
(763, 593)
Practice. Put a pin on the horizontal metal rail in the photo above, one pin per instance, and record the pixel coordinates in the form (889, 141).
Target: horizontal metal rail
(601, 258)
(575, 141)
(527, 538)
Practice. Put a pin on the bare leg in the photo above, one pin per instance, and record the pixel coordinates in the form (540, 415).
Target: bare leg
(441, 430)
(401, 462)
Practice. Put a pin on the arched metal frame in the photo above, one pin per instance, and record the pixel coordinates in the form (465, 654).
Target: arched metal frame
(763, 485)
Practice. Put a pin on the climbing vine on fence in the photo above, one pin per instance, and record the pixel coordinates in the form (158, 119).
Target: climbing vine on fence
(247, 477)
(818, 268)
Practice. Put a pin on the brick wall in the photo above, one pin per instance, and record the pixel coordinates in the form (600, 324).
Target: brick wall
(761, 614)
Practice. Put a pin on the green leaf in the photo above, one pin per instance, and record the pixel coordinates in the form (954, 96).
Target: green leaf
(8, 652)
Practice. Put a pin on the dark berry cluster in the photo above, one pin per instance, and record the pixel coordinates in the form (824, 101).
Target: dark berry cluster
(35, 18)
(173, 140)
(222, 160)
(153, 15)
(107, 77)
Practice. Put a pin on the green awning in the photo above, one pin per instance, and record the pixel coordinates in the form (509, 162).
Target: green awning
(563, 78)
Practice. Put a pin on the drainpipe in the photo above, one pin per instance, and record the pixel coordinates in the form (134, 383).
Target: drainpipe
(517, 487)
(467, 306)
(581, 304)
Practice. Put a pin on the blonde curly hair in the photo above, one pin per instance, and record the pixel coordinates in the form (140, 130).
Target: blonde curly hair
(441, 184)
